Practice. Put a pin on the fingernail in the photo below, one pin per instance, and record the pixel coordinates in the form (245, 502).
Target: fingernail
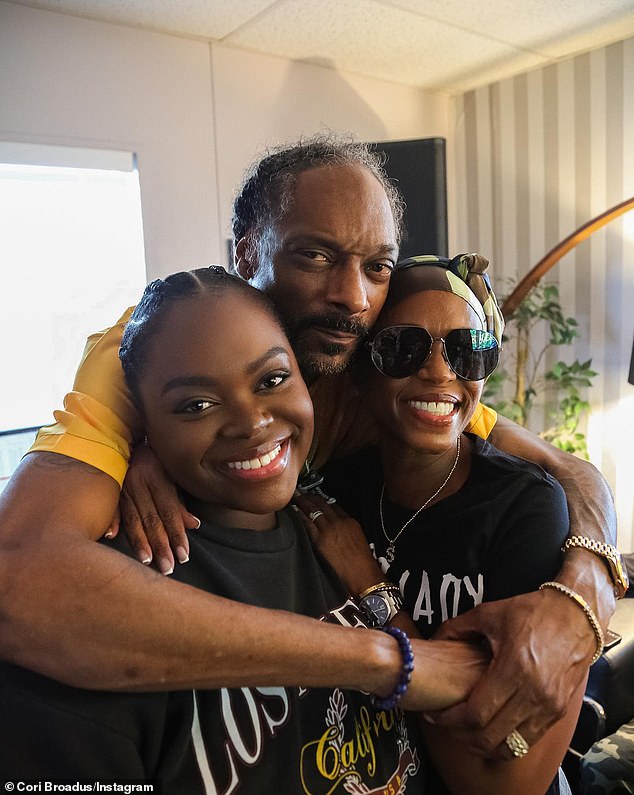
(165, 567)
(294, 507)
(109, 534)
(429, 718)
(196, 519)
(146, 560)
(331, 500)
(181, 554)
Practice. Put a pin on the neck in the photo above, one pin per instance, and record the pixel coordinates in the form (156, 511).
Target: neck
(231, 517)
(412, 476)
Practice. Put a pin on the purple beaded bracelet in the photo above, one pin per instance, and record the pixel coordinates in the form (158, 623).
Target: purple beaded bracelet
(389, 702)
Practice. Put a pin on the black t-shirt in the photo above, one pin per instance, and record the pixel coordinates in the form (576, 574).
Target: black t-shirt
(246, 740)
(498, 536)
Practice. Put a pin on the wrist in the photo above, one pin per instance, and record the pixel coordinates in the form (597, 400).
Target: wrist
(581, 603)
(384, 660)
(587, 575)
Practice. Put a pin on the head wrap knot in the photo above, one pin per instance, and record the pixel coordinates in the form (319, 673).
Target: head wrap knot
(464, 275)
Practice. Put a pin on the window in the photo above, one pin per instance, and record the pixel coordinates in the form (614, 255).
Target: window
(72, 259)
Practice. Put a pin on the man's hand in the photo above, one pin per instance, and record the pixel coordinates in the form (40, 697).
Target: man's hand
(153, 517)
(541, 645)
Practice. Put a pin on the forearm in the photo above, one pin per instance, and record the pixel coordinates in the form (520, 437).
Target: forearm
(469, 773)
(99, 619)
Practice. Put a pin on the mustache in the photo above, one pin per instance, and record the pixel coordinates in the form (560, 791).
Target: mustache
(333, 322)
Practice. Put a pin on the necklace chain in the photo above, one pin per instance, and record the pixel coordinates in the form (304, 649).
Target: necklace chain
(389, 553)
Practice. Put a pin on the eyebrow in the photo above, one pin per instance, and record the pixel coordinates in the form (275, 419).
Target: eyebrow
(320, 240)
(206, 381)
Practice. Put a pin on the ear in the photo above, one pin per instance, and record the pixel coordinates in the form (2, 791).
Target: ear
(246, 264)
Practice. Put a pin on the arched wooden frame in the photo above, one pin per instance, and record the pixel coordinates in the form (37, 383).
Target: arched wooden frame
(552, 258)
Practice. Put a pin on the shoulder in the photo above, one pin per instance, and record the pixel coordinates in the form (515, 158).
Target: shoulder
(517, 488)
(495, 461)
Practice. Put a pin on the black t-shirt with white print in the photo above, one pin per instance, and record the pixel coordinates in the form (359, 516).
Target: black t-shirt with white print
(498, 536)
(243, 740)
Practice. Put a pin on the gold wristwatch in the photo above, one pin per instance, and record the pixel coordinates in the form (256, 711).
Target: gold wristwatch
(610, 555)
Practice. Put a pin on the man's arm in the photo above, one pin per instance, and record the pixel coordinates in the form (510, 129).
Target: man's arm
(542, 640)
(89, 616)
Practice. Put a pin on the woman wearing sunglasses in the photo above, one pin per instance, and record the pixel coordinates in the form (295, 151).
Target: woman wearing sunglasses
(450, 520)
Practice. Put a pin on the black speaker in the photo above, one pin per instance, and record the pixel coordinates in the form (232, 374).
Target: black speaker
(418, 168)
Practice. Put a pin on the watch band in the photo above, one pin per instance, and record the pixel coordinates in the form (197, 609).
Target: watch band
(381, 603)
(610, 555)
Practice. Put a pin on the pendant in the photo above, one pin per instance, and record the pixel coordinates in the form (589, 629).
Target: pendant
(389, 553)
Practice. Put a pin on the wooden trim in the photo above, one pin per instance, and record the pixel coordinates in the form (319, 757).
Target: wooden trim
(552, 258)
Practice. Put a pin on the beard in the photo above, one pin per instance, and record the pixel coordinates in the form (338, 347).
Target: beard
(328, 358)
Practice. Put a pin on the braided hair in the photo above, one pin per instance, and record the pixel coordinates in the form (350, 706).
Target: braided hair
(158, 297)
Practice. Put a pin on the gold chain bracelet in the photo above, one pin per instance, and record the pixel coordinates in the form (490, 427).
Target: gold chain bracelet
(578, 599)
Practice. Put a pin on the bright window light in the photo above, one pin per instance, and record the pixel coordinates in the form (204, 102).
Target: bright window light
(71, 248)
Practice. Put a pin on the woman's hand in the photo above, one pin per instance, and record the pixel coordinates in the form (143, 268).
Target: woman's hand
(152, 515)
(340, 540)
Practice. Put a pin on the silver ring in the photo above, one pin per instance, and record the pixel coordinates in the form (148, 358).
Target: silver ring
(517, 744)
(314, 514)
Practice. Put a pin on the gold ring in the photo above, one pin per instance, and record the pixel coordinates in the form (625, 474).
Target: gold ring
(314, 514)
(517, 744)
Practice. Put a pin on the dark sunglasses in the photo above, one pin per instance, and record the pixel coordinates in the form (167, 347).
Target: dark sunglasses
(399, 351)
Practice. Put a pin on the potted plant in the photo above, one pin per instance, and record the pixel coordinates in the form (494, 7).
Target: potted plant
(563, 383)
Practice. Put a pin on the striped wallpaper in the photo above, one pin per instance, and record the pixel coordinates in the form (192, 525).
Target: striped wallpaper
(537, 156)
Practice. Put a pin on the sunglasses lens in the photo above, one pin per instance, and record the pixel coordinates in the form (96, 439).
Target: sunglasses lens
(473, 354)
(400, 351)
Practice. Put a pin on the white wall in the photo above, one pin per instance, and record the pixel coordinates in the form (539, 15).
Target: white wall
(195, 114)
(72, 81)
(263, 100)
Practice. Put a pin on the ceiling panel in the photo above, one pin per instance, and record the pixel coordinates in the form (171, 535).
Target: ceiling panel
(537, 25)
(375, 39)
(449, 45)
(208, 19)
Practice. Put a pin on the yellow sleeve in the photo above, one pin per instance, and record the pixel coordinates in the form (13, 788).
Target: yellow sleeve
(482, 421)
(98, 422)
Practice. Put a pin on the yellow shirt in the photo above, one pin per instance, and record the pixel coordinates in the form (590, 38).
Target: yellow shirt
(99, 423)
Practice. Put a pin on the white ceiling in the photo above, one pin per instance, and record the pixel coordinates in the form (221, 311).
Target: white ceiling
(450, 45)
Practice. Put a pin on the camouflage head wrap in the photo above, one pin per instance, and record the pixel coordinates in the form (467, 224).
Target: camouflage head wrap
(464, 275)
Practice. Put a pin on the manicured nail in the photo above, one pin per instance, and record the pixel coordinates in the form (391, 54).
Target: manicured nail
(197, 526)
(109, 534)
(181, 554)
(165, 567)
(146, 559)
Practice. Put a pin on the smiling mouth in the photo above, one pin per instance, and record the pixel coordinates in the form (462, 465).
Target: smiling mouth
(439, 408)
(259, 462)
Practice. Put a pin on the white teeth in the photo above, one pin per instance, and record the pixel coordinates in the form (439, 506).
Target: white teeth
(257, 463)
(440, 409)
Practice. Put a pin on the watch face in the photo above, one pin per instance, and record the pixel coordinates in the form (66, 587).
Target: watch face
(378, 607)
